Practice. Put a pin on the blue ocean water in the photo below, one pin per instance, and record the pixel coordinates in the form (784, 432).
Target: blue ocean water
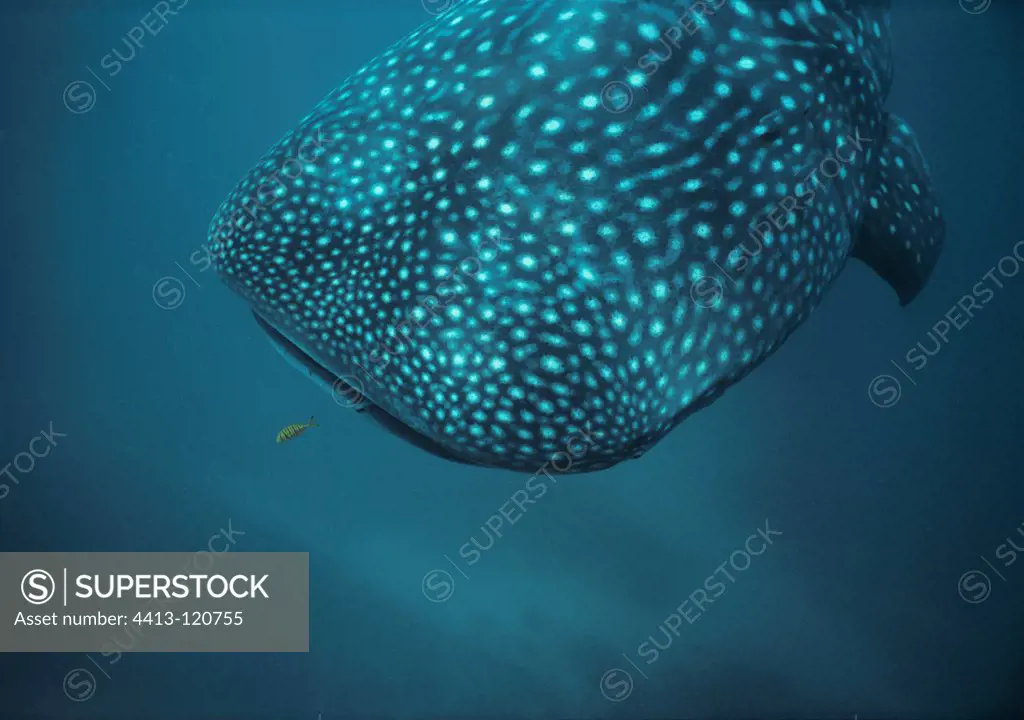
(891, 491)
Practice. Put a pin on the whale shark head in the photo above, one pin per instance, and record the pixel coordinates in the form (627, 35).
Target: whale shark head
(534, 225)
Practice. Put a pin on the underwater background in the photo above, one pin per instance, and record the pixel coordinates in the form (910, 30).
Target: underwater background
(891, 489)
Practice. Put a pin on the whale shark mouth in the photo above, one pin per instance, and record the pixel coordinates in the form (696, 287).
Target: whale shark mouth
(354, 397)
(305, 362)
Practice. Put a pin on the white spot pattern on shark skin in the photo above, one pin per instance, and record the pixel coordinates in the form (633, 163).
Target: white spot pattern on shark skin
(484, 135)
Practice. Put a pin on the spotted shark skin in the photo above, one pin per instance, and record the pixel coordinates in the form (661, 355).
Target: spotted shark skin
(501, 262)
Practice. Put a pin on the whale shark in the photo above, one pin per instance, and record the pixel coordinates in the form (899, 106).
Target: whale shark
(531, 222)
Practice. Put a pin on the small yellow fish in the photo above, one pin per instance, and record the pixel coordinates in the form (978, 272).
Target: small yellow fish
(295, 429)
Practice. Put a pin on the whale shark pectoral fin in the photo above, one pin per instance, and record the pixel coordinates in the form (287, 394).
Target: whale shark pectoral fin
(903, 230)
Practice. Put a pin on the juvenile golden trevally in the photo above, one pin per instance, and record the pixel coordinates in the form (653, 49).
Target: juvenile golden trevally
(295, 429)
